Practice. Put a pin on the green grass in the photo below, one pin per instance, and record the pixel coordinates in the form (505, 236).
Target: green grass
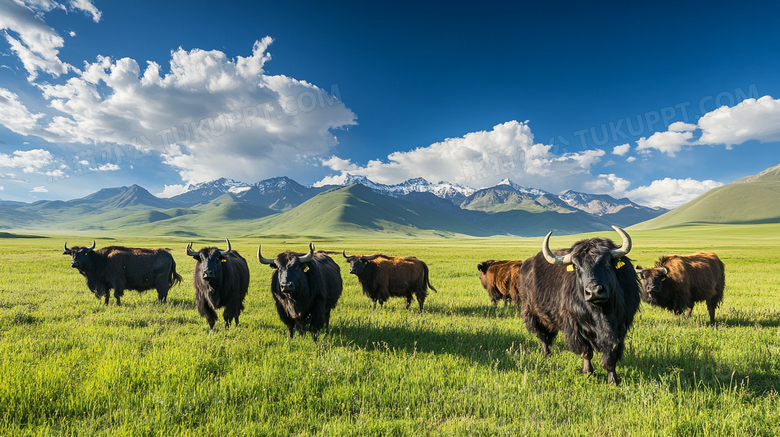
(71, 366)
(752, 202)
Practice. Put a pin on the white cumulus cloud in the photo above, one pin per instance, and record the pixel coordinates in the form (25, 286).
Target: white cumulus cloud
(30, 38)
(669, 142)
(108, 167)
(209, 117)
(751, 119)
(40, 189)
(670, 193)
(30, 161)
(171, 190)
(621, 149)
(667, 193)
(478, 159)
(15, 116)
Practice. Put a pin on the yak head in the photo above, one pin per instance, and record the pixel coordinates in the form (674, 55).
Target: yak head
(358, 263)
(79, 256)
(209, 269)
(594, 262)
(291, 270)
(483, 269)
(652, 282)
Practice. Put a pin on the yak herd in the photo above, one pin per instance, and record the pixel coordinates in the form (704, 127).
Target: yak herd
(589, 292)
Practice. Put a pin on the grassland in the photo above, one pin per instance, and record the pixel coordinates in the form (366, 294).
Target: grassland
(71, 366)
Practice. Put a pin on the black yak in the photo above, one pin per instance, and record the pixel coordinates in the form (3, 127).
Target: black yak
(590, 292)
(500, 279)
(382, 277)
(678, 281)
(305, 287)
(221, 279)
(124, 268)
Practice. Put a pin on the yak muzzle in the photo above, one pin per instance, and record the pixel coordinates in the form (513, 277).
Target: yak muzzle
(75, 264)
(287, 288)
(595, 293)
(209, 276)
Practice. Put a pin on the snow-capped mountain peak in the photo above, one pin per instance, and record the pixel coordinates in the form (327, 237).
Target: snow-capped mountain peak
(522, 189)
(224, 185)
(441, 189)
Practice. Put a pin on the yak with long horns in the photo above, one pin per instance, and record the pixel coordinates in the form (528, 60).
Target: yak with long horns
(590, 292)
(305, 287)
(124, 268)
(221, 279)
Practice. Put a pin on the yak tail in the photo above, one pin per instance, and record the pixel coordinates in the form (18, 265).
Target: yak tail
(175, 277)
(427, 279)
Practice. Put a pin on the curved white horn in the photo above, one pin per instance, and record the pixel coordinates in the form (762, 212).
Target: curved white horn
(626, 247)
(548, 255)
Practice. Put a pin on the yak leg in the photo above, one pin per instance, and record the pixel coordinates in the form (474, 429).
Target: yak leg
(612, 377)
(609, 362)
(420, 295)
(544, 335)
(162, 287)
(231, 313)
(119, 291)
(688, 313)
(327, 319)
(206, 311)
(587, 365)
(408, 302)
(316, 323)
(712, 304)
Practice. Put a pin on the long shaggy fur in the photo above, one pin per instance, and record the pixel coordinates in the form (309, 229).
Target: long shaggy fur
(690, 279)
(126, 268)
(385, 276)
(227, 291)
(553, 300)
(316, 294)
(500, 279)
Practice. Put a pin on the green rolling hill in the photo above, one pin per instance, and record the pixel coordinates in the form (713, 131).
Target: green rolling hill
(356, 210)
(750, 200)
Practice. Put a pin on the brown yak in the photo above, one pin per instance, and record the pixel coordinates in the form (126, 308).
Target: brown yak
(383, 276)
(500, 278)
(678, 281)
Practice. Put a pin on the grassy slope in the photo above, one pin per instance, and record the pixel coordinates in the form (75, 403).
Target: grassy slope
(753, 199)
(71, 366)
(356, 210)
(757, 202)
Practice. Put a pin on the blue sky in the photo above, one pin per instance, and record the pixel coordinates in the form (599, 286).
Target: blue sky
(658, 102)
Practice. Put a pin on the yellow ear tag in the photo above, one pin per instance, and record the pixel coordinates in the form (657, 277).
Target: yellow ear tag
(664, 278)
(620, 263)
(306, 269)
(224, 260)
(570, 268)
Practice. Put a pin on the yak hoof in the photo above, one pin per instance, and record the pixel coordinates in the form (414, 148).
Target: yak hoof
(613, 379)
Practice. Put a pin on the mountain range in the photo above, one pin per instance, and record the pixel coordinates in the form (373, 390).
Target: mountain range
(283, 206)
